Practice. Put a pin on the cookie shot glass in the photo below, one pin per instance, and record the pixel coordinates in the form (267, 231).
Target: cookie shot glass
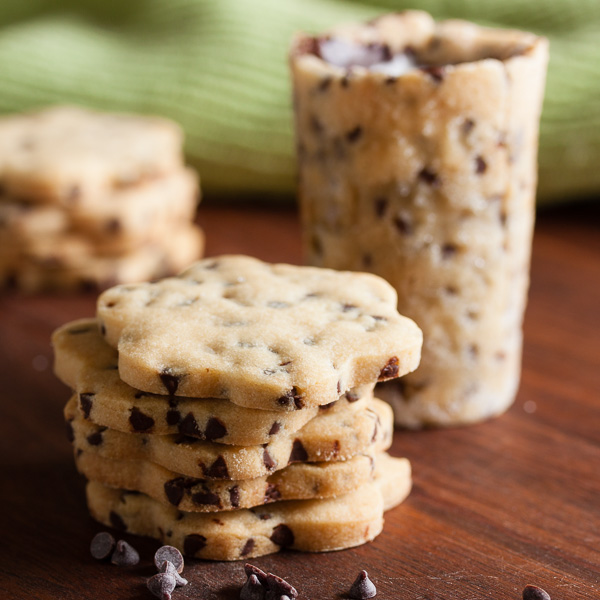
(417, 155)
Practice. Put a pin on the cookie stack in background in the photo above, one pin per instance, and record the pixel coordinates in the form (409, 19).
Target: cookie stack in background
(236, 402)
(89, 200)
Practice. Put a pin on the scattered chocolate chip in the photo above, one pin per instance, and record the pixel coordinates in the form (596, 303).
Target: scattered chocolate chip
(125, 555)
(252, 589)
(234, 496)
(381, 205)
(189, 426)
(168, 567)
(390, 369)
(218, 470)
(116, 521)
(354, 134)
(85, 403)
(480, 165)
(140, 421)
(95, 439)
(170, 380)
(268, 460)
(272, 493)
(429, 177)
(215, 429)
(193, 543)
(277, 587)
(206, 497)
(363, 587)
(282, 535)
(275, 428)
(170, 554)
(173, 417)
(336, 448)
(298, 453)
(102, 545)
(436, 73)
(162, 585)
(533, 592)
(174, 489)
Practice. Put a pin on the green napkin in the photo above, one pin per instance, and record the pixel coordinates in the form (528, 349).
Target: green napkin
(219, 68)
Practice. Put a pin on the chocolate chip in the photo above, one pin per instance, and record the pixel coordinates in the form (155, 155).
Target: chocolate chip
(79, 330)
(275, 428)
(390, 369)
(448, 250)
(292, 396)
(206, 497)
(381, 205)
(189, 426)
(215, 429)
(125, 555)
(218, 470)
(325, 83)
(170, 381)
(234, 496)
(169, 568)
(533, 592)
(403, 225)
(258, 573)
(102, 545)
(170, 554)
(193, 543)
(436, 73)
(282, 536)
(480, 165)
(174, 489)
(95, 439)
(70, 432)
(173, 417)
(367, 261)
(298, 453)
(363, 587)
(85, 403)
(162, 585)
(277, 587)
(248, 547)
(140, 421)
(113, 226)
(467, 126)
(116, 521)
(252, 589)
(354, 134)
(268, 461)
(429, 177)
(272, 493)
(348, 307)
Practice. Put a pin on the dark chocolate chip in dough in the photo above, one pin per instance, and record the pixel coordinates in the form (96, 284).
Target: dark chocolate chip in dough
(189, 426)
(248, 547)
(354, 134)
(173, 417)
(170, 554)
(363, 587)
(480, 165)
(390, 369)
(403, 225)
(268, 460)
(429, 177)
(448, 250)
(436, 73)
(533, 592)
(116, 521)
(282, 535)
(252, 589)
(95, 439)
(140, 421)
(275, 428)
(85, 403)
(170, 381)
(215, 429)
(124, 555)
(206, 497)
(291, 397)
(298, 453)
(272, 493)
(367, 260)
(113, 226)
(218, 470)
(79, 330)
(162, 585)
(174, 489)
(347, 308)
(381, 206)
(234, 496)
(102, 545)
(325, 83)
(193, 543)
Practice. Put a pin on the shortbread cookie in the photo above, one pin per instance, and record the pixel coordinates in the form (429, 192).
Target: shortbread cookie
(417, 150)
(327, 437)
(183, 246)
(308, 525)
(298, 481)
(70, 155)
(87, 364)
(263, 336)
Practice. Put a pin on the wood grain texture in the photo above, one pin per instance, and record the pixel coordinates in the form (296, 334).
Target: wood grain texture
(495, 506)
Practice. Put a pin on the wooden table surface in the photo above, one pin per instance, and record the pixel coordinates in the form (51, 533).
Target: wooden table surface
(495, 506)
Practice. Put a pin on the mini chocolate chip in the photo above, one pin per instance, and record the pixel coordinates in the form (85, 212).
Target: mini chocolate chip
(264, 516)
(381, 205)
(292, 396)
(268, 461)
(282, 535)
(125, 555)
(102, 545)
(403, 225)
(206, 497)
(252, 589)
(116, 521)
(298, 453)
(70, 432)
(429, 177)
(390, 80)
(173, 417)
(234, 496)
(480, 165)
(272, 493)
(170, 381)
(174, 489)
(277, 587)
(324, 83)
(162, 585)
(354, 134)
(248, 547)
(189, 426)
(363, 587)
(168, 567)
(193, 543)
(85, 403)
(95, 439)
(436, 73)
(275, 428)
(390, 369)
(218, 470)
(170, 554)
(448, 250)
(533, 592)
(215, 429)
(140, 421)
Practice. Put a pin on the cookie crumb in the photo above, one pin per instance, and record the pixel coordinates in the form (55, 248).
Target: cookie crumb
(363, 587)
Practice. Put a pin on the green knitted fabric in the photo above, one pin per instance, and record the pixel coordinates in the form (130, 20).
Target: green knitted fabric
(219, 67)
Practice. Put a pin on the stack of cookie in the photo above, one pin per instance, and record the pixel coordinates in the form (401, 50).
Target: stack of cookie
(90, 199)
(236, 402)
